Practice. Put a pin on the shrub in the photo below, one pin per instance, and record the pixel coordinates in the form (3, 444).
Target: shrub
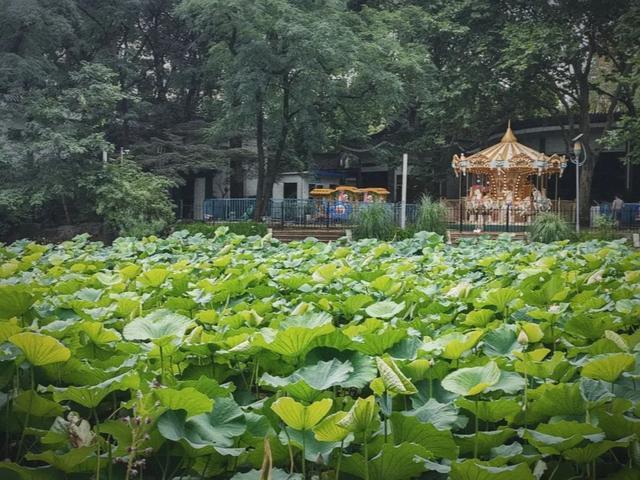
(431, 216)
(374, 220)
(605, 227)
(133, 202)
(549, 227)
(239, 228)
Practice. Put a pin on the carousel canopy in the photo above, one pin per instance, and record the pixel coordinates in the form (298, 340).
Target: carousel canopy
(509, 155)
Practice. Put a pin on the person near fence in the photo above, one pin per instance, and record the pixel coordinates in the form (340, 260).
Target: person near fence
(616, 209)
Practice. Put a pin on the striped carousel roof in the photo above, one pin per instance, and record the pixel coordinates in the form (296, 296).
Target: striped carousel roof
(511, 155)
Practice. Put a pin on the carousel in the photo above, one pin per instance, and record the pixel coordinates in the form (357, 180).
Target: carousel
(506, 181)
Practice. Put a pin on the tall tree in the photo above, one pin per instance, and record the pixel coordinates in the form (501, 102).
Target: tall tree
(298, 76)
(564, 47)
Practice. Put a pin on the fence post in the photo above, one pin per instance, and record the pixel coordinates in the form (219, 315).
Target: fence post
(508, 210)
(460, 209)
(282, 213)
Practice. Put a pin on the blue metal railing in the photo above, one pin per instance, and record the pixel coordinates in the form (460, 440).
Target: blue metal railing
(627, 217)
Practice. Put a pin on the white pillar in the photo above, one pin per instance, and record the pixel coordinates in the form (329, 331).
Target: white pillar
(403, 205)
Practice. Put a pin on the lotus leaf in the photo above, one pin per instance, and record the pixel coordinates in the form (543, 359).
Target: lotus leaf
(471, 381)
(40, 349)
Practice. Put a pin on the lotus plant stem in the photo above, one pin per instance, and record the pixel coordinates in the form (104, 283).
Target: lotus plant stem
(28, 414)
(98, 438)
(475, 438)
(304, 459)
(161, 364)
(204, 470)
(110, 458)
(338, 465)
(366, 458)
(524, 404)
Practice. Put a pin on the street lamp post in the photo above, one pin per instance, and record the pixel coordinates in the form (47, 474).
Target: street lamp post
(578, 151)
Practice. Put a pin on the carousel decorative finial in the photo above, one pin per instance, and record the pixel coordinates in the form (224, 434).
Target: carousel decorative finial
(509, 137)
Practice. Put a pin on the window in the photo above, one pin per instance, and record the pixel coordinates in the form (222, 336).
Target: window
(290, 190)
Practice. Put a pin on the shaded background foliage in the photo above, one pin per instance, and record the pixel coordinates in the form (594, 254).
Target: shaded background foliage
(180, 84)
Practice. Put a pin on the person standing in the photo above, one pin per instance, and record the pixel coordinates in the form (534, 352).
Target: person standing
(616, 209)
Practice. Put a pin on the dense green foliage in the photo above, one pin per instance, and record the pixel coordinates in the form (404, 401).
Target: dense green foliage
(239, 228)
(219, 357)
(431, 216)
(133, 202)
(187, 86)
(549, 227)
(374, 220)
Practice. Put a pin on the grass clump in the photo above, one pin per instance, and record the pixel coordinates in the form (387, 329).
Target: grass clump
(374, 220)
(549, 227)
(431, 216)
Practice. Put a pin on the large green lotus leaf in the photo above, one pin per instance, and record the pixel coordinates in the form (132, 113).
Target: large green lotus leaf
(209, 387)
(509, 382)
(529, 363)
(362, 417)
(377, 343)
(456, 344)
(409, 429)
(609, 367)
(501, 342)
(188, 399)
(354, 303)
(443, 416)
(471, 381)
(618, 425)
(290, 342)
(501, 297)
(595, 392)
(75, 460)
(320, 376)
(218, 428)
(486, 440)
(589, 325)
(40, 349)
(385, 309)
(475, 470)
(560, 399)
(491, 411)
(158, 324)
(301, 417)
(552, 440)
(393, 462)
(98, 334)
(91, 396)
(328, 429)
(479, 318)
(394, 380)
(15, 301)
(592, 451)
(29, 473)
(154, 277)
(314, 450)
(29, 401)
(8, 330)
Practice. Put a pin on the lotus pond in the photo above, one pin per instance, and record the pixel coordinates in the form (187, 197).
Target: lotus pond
(245, 358)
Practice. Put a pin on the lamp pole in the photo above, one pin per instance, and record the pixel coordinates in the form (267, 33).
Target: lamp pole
(578, 151)
(403, 205)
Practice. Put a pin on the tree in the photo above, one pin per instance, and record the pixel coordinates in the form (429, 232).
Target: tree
(296, 76)
(51, 142)
(572, 50)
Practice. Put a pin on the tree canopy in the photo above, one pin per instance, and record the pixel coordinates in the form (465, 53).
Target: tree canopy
(186, 85)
